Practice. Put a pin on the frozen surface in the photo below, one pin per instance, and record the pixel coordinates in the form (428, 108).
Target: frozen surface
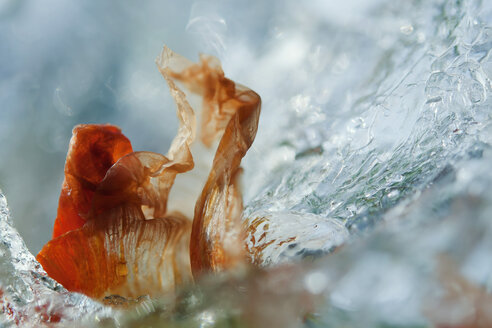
(377, 115)
(27, 296)
(374, 147)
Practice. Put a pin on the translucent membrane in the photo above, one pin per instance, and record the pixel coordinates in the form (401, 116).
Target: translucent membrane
(114, 233)
(231, 109)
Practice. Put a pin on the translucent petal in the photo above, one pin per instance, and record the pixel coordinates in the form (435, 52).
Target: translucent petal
(93, 150)
(230, 111)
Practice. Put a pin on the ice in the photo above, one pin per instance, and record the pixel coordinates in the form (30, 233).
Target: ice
(382, 137)
(28, 297)
(283, 237)
(368, 185)
(398, 276)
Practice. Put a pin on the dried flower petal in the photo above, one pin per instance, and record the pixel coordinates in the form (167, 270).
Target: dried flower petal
(233, 111)
(117, 235)
(121, 256)
(92, 257)
(93, 150)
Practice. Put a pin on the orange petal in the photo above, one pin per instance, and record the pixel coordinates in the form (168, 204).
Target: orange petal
(232, 111)
(217, 239)
(125, 257)
(121, 191)
(93, 150)
(109, 194)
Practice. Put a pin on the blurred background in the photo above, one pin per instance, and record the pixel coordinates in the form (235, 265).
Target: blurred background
(64, 64)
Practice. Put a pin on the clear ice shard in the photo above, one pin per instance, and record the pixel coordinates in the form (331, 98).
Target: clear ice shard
(28, 297)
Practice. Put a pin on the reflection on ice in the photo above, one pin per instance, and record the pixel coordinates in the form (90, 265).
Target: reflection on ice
(286, 237)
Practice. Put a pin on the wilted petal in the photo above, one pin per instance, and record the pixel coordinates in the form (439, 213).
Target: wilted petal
(232, 112)
(127, 241)
(121, 256)
(93, 150)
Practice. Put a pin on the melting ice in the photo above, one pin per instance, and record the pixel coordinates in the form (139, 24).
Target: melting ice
(372, 162)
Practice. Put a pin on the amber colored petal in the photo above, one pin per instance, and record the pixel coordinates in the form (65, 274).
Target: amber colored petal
(93, 150)
(232, 110)
(128, 192)
(216, 237)
(145, 178)
(139, 178)
(110, 245)
(221, 97)
(187, 187)
(125, 257)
